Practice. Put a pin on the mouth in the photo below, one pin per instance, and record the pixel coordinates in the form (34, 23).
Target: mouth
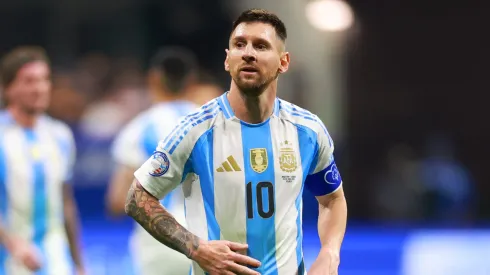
(249, 69)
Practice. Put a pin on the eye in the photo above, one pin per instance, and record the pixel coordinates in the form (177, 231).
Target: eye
(240, 44)
(261, 47)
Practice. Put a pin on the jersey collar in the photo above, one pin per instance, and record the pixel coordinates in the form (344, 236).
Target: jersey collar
(228, 111)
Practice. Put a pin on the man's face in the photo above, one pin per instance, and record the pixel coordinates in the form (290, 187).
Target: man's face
(31, 88)
(255, 57)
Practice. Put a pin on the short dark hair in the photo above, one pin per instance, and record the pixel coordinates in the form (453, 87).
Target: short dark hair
(176, 65)
(14, 60)
(263, 16)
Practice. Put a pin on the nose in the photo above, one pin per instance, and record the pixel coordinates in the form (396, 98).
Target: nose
(42, 87)
(249, 55)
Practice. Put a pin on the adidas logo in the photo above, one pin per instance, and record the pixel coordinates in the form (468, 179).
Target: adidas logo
(229, 166)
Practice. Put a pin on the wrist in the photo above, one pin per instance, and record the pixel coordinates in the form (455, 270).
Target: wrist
(194, 252)
(330, 250)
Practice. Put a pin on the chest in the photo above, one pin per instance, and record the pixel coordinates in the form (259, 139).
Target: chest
(272, 153)
(33, 167)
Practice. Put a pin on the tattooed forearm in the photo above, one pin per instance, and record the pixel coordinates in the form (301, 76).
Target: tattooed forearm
(150, 214)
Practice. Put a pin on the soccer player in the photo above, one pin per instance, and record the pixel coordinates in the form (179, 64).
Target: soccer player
(203, 90)
(38, 216)
(249, 155)
(172, 70)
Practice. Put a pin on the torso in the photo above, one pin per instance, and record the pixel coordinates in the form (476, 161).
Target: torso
(34, 166)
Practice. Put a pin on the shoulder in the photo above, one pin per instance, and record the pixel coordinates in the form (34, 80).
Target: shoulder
(134, 127)
(5, 119)
(59, 128)
(202, 118)
(301, 117)
(167, 114)
(192, 126)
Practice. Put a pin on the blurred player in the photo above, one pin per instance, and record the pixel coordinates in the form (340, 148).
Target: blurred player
(39, 221)
(253, 154)
(204, 89)
(172, 71)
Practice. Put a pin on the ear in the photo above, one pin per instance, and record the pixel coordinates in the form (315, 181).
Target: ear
(155, 79)
(284, 66)
(6, 95)
(227, 66)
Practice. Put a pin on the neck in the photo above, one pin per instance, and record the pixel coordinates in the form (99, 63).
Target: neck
(252, 109)
(160, 97)
(23, 118)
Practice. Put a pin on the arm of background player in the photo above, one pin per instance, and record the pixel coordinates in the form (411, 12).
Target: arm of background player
(4, 238)
(23, 251)
(151, 215)
(118, 189)
(72, 225)
(70, 211)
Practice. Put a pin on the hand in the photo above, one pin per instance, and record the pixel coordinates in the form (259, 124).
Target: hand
(221, 257)
(327, 263)
(25, 253)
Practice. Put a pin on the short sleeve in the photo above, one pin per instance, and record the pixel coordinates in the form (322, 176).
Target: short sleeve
(127, 147)
(172, 160)
(72, 156)
(3, 187)
(68, 149)
(324, 177)
(164, 171)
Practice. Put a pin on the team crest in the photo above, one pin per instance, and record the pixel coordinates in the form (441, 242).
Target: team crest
(258, 159)
(287, 158)
(159, 164)
(35, 152)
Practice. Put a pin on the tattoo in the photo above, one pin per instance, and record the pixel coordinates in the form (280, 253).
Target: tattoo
(149, 213)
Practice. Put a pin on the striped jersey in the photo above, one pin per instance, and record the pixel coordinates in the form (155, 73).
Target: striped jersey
(34, 165)
(139, 138)
(248, 179)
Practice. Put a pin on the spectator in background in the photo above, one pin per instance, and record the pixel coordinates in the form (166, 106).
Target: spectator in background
(449, 188)
(398, 189)
(121, 97)
(67, 103)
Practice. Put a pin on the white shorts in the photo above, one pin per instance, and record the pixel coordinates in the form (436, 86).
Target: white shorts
(150, 257)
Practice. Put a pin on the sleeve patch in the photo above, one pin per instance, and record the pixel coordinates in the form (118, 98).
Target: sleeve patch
(159, 164)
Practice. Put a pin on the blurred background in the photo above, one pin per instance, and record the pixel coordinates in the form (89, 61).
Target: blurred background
(401, 85)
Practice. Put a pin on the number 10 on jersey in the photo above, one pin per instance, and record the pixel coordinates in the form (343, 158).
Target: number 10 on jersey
(263, 189)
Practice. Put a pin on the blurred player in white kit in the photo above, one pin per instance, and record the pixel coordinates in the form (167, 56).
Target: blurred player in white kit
(172, 71)
(38, 217)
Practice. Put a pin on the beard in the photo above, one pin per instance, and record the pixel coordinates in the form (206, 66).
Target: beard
(254, 86)
(34, 108)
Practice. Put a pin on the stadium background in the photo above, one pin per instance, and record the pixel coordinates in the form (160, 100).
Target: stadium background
(401, 85)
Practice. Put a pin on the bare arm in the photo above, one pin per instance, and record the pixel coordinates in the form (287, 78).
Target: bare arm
(118, 189)
(150, 214)
(4, 237)
(332, 220)
(72, 224)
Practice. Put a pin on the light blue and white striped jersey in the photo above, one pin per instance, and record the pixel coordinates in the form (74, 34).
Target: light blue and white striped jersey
(250, 178)
(139, 138)
(34, 165)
